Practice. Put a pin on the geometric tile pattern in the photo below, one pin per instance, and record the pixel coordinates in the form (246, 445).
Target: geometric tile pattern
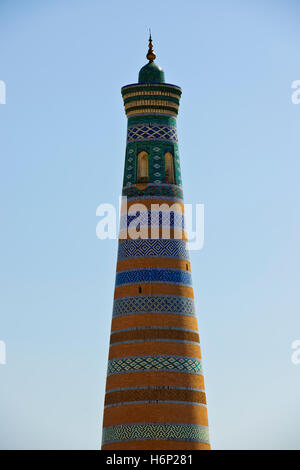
(162, 248)
(183, 364)
(170, 190)
(153, 304)
(170, 276)
(154, 218)
(156, 431)
(152, 132)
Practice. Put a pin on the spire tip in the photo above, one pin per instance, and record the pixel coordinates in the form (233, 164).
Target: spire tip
(151, 56)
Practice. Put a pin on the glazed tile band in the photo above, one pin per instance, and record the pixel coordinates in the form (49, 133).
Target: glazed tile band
(140, 276)
(157, 190)
(154, 218)
(147, 87)
(154, 304)
(152, 132)
(162, 248)
(154, 431)
(184, 364)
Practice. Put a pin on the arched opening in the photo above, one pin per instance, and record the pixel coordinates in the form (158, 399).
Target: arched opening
(169, 168)
(143, 168)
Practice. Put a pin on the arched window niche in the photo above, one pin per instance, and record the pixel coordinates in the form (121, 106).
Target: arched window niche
(169, 168)
(143, 167)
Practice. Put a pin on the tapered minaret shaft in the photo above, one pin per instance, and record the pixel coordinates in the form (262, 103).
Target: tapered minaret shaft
(155, 396)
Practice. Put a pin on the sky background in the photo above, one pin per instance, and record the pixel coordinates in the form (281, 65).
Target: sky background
(62, 145)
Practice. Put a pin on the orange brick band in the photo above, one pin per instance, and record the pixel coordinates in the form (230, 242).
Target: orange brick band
(147, 334)
(157, 394)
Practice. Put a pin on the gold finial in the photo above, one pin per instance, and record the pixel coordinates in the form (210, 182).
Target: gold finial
(151, 56)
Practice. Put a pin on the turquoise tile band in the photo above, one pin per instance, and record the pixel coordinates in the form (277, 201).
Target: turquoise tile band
(190, 365)
(156, 431)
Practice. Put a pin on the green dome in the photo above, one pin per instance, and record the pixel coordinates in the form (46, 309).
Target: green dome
(151, 73)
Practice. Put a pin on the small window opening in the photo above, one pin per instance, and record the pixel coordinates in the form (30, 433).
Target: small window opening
(142, 168)
(169, 168)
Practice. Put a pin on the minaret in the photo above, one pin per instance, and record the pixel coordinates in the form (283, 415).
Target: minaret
(155, 396)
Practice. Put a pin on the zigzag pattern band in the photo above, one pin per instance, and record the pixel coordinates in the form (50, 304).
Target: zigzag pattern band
(154, 431)
(160, 248)
(183, 364)
(153, 304)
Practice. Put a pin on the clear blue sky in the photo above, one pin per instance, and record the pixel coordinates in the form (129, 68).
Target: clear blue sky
(62, 145)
